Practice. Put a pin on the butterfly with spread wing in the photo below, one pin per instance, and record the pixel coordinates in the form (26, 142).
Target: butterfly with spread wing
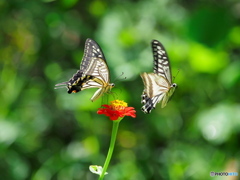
(158, 86)
(93, 73)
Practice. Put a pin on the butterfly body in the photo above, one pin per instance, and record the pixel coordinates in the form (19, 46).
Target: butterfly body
(93, 73)
(158, 86)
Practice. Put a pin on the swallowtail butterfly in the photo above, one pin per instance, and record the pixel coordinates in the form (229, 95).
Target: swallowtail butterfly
(93, 73)
(158, 86)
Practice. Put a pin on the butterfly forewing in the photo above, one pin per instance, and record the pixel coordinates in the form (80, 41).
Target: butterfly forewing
(161, 61)
(92, 51)
(99, 69)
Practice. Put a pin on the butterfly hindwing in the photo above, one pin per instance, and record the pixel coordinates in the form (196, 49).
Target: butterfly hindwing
(75, 84)
(158, 86)
(150, 103)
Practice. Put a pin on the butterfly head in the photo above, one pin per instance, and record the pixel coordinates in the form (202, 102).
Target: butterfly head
(174, 85)
(171, 90)
(112, 85)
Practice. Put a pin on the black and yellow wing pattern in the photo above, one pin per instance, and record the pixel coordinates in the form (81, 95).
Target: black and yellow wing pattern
(93, 73)
(158, 86)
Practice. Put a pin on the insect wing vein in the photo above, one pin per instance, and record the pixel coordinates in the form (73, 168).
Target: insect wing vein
(161, 61)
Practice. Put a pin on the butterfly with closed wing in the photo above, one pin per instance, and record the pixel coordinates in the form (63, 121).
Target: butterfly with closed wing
(158, 86)
(93, 73)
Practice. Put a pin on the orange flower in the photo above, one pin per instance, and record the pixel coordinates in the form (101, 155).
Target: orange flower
(117, 109)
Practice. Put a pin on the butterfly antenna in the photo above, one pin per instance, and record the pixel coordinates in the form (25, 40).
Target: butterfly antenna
(117, 78)
(61, 85)
(176, 74)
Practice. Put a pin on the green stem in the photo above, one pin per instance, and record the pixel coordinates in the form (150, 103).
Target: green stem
(111, 148)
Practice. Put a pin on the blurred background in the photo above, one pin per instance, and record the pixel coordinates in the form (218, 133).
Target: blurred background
(47, 134)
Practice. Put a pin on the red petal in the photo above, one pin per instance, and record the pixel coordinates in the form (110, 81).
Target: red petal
(115, 114)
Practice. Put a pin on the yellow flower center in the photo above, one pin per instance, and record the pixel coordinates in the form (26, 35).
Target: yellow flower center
(118, 105)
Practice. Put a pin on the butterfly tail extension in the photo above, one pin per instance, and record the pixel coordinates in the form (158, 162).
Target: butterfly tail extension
(70, 82)
(61, 85)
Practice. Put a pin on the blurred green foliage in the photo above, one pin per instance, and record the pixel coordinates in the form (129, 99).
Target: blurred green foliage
(48, 134)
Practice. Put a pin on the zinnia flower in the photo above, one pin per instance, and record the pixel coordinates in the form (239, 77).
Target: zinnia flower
(117, 109)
